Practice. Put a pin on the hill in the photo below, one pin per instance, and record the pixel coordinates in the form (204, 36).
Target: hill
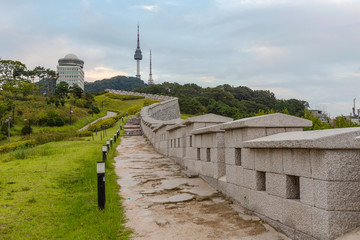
(236, 102)
(117, 83)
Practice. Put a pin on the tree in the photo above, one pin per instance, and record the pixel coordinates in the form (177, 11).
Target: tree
(11, 72)
(76, 90)
(62, 89)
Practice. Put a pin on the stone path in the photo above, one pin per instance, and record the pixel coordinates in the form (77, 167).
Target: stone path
(161, 203)
(108, 115)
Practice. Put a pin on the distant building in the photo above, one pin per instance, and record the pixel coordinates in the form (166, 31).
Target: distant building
(318, 113)
(70, 70)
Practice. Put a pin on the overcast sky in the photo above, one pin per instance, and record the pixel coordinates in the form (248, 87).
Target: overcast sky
(304, 49)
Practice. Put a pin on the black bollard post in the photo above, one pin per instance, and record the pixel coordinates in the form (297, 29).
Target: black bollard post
(108, 145)
(100, 170)
(111, 142)
(120, 126)
(122, 119)
(114, 137)
(104, 154)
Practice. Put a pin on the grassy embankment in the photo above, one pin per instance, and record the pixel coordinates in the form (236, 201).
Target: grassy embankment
(49, 191)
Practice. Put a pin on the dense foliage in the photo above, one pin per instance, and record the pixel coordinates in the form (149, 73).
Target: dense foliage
(116, 83)
(226, 100)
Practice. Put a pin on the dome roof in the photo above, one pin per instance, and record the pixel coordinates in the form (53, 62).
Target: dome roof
(71, 56)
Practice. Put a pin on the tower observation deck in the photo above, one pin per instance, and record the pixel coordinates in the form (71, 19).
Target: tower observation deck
(138, 55)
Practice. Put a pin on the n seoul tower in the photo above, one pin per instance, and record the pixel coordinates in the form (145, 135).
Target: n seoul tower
(138, 56)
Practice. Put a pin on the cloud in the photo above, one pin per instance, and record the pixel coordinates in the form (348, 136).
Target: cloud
(207, 79)
(99, 73)
(152, 8)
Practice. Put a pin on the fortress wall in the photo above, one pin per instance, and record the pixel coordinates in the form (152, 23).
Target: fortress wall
(306, 184)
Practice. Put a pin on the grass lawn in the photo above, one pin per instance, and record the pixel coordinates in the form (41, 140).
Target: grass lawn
(116, 105)
(50, 192)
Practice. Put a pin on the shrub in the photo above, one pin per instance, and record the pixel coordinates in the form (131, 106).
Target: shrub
(45, 137)
(50, 122)
(84, 133)
(26, 130)
(59, 122)
(11, 146)
(20, 153)
(104, 123)
(4, 128)
(134, 109)
(2, 137)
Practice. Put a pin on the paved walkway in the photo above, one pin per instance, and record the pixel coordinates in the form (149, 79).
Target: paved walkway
(108, 115)
(161, 203)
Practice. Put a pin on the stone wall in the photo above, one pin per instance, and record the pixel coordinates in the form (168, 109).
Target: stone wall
(306, 184)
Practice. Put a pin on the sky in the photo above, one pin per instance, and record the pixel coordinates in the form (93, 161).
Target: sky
(303, 49)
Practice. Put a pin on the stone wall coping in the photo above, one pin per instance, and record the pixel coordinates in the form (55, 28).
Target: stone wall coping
(207, 118)
(167, 124)
(275, 120)
(340, 138)
(205, 130)
(146, 95)
(174, 127)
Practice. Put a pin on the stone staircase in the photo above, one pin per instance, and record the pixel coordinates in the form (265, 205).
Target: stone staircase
(132, 126)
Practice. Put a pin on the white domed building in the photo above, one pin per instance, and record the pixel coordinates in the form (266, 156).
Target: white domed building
(70, 70)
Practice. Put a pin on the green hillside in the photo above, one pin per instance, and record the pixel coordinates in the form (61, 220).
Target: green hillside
(116, 83)
(226, 100)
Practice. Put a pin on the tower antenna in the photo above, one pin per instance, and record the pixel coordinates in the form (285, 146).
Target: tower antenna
(150, 81)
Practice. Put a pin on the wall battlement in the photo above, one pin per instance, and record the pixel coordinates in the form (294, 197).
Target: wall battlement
(306, 184)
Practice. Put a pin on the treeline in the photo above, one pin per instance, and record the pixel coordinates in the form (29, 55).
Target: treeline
(226, 100)
(116, 83)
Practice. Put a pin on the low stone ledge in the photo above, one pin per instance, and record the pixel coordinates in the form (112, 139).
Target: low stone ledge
(341, 138)
(210, 129)
(275, 120)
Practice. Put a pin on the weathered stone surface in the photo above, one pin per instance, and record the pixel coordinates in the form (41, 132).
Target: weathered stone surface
(268, 160)
(332, 224)
(174, 199)
(272, 131)
(297, 215)
(297, 162)
(337, 195)
(249, 180)
(276, 184)
(248, 158)
(260, 202)
(234, 138)
(235, 175)
(307, 191)
(230, 156)
(336, 165)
